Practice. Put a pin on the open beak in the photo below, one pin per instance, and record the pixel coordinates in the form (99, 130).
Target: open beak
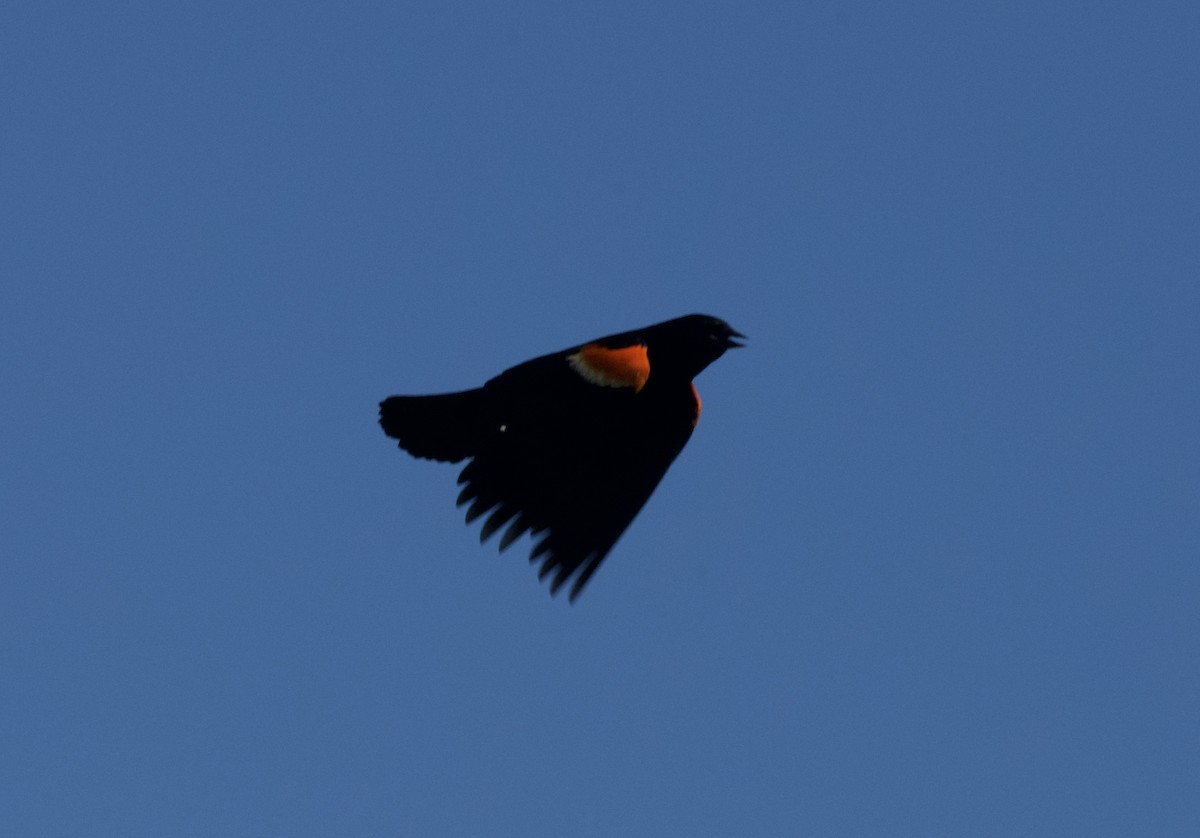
(731, 343)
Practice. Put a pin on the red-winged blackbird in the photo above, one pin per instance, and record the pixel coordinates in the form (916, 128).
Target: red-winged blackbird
(568, 446)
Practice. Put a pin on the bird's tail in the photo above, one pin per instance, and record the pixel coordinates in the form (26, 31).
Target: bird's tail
(446, 427)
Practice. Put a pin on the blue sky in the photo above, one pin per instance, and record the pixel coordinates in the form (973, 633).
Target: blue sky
(927, 567)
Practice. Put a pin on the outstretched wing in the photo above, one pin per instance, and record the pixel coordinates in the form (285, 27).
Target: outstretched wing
(570, 460)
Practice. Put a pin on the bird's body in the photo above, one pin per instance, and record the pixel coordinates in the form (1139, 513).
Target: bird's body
(568, 446)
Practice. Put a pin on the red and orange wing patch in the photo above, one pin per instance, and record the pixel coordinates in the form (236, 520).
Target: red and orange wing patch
(628, 366)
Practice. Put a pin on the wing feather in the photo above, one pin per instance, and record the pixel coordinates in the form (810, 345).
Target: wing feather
(575, 462)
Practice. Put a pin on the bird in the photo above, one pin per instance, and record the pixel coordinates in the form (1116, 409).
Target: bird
(569, 446)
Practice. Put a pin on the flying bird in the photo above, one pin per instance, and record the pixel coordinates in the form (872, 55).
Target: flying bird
(568, 446)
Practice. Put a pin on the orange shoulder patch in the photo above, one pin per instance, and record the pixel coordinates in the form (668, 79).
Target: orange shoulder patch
(628, 366)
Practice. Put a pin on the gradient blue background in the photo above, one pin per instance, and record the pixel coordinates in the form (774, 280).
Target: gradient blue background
(927, 568)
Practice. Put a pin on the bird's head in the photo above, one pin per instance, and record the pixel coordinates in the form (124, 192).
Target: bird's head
(686, 345)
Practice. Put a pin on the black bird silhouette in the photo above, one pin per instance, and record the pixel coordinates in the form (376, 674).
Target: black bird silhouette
(568, 446)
